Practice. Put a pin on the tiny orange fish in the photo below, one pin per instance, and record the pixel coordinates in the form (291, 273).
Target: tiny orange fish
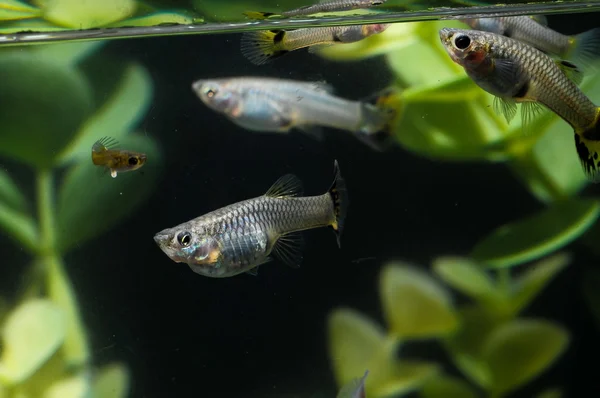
(105, 153)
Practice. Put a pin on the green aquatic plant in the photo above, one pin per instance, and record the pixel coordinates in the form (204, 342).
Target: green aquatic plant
(59, 15)
(53, 106)
(496, 350)
(444, 115)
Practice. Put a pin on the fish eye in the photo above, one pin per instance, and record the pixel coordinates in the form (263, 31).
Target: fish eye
(462, 42)
(133, 161)
(184, 238)
(211, 93)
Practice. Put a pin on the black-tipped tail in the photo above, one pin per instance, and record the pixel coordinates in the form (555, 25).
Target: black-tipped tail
(339, 196)
(587, 144)
(261, 47)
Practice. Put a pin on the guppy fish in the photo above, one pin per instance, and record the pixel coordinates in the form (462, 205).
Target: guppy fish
(105, 153)
(240, 237)
(581, 48)
(355, 388)
(515, 72)
(264, 46)
(279, 105)
(322, 6)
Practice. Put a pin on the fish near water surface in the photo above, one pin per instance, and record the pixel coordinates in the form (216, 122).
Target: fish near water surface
(105, 152)
(263, 46)
(240, 237)
(280, 105)
(515, 72)
(582, 49)
(321, 6)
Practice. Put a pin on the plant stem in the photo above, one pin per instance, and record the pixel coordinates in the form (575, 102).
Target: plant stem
(60, 290)
(19, 226)
(504, 281)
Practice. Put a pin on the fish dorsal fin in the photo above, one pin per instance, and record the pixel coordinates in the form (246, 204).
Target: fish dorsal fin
(288, 248)
(570, 70)
(321, 86)
(286, 186)
(105, 143)
(529, 111)
(541, 19)
(506, 107)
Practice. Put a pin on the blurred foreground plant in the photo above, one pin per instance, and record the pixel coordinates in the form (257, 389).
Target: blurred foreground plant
(495, 349)
(51, 112)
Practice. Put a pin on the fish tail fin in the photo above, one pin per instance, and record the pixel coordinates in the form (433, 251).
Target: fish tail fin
(587, 143)
(585, 49)
(262, 46)
(339, 197)
(258, 14)
(380, 113)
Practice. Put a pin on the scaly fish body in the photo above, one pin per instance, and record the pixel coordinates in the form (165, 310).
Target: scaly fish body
(241, 236)
(326, 6)
(516, 72)
(263, 46)
(279, 105)
(104, 153)
(581, 48)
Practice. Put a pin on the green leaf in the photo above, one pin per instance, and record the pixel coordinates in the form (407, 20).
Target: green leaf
(414, 304)
(32, 333)
(354, 340)
(465, 346)
(42, 104)
(551, 393)
(534, 279)
(73, 387)
(447, 387)
(10, 194)
(538, 235)
(466, 277)
(118, 115)
(68, 54)
(29, 25)
(518, 351)
(20, 227)
(157, 18)
(14, 10)
(90, 202)
(87, 14)
(399, 378)
(112, 381)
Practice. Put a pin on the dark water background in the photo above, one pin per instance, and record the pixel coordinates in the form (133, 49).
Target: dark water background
(185, 335)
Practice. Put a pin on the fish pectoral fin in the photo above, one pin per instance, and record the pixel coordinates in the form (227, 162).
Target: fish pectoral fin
(570, 70)
(529, 111)
(288, 248)
(104, 143)
(507, 70)
(253, 271)
(506, 107)
(286, 186)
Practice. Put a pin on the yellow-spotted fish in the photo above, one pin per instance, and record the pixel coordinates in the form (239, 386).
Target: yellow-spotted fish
(264, 46)
(105, 152)
(515, 72)
(355, 388)
(240, 237)
(322, 6)
(581, 49)
(279, 105)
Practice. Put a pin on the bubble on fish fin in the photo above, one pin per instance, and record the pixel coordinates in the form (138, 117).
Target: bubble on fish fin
(286, 186)
(260, 47)
(586, 49)
(570, 70)
(506, 107)
(541, 19)
(104, 144)
(589, 156)
(339, 196)
(288, 248)
(529, 111)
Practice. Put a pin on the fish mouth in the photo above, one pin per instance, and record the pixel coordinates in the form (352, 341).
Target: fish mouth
(446, 35)
(161, 239)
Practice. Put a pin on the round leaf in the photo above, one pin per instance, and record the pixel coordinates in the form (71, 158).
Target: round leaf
(112, 382)
(42, 104)
(414, 304)
(534, 279)
(32, 333)
(90, 202)
(354, 340)
(86, 14)
(537, 235)
(466, 277)
(73, 387)
(518, 351)
(399, 378)
(447, 387)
